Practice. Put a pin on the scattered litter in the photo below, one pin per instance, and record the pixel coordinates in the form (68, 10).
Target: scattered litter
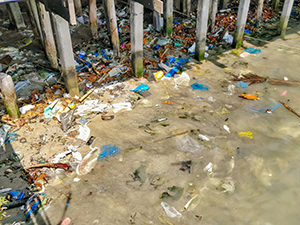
(26, 108)
(188, 144)
(283, 93)
(208, 168)
(182, 80)
(174, 193)
(226, 128)
(228, 38)
(285, 78)
(201, 87)
(266, 109)
(254, 51)
(248, 96)
(91, 106)
(107, 151)
(91, 140)
(159, 75)
(88, 162)
(76, 179)
(231, 89)
(84, 132)
(126, 106)
(242, 84)
(170, 211)
(142, 87)
(66, 119)
(203, 137)
(107, 117)
(3, 133)
(246, 134)
(186, 206)
(168, 102)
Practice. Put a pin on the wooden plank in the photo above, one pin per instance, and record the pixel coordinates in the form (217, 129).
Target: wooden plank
(66, 56)
(285, 15)
(49, 42)
(156, 5)
(241, 22)
(201, 28)
(136, 37)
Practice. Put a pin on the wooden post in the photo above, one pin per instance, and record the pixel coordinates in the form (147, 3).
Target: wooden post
(184, 4)
(71, 8)
(65, 51)
(32, 20)
(78, 7)
(136, 37)
(260, 8)
(241, 22)
(285, 15)
(169, 17)
(49, 42)
(36, 18)
(201, 28)
(113, 26)
(213, 14)
(188, 7)
(9, 95)
(93, 18)
(17, 15)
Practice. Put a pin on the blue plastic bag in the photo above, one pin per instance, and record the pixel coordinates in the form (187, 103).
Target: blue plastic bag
(141, 88)
(253, 50)
(272, 108)
(242, 84)
(107, 151)
(201, 87)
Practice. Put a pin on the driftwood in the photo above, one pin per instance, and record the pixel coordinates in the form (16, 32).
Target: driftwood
(290, 109)
(255, 79)
(64, 166)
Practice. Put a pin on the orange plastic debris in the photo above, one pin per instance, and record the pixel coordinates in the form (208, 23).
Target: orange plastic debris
(250, 97)
(168, 102)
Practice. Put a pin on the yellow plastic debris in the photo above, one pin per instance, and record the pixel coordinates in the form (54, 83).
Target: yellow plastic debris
(159, 75)
(246, 134)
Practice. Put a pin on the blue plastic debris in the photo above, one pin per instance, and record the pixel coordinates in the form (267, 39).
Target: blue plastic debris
(156, 47)
(242, 84)
(18, 195)
(175, 22)
(141, 88)
(253, 50)
(11, 136)
(201, 87)
(247, 31)
(107, 151)
(172, 72)
(270, 108)
(172, 59)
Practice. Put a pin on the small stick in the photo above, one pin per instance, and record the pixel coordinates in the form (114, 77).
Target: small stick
(290, 109)
(173, 135)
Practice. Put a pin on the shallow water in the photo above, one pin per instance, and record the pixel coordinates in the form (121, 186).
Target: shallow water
(250, 181)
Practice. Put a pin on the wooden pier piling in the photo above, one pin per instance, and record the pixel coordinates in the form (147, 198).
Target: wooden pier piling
(260, 9)
(213, 14)
(72, 13)
(78, 7)
(17, 15)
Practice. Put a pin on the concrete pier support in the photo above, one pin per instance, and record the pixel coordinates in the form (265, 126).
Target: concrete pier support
(213, 14)
(9, 95)
(241, 22)
(93, 18)
(17, 15)
(49, 41)
(66, 56)
(169, 17)
(113, 26)
(136, 37)
(201, 28)
(71, 7)
(285, 15)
